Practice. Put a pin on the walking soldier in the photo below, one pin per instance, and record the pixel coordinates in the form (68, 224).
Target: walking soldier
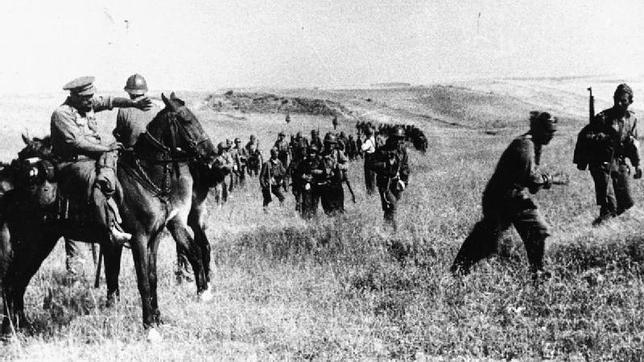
(272, 178)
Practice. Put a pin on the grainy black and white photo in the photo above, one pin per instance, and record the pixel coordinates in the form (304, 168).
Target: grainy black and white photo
(321, 180)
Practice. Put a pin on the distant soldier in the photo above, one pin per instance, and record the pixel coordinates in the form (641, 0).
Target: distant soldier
(288, 118)
(240, 158)
(307, 179)
(612, 138)
(369, 148)
(330, 174)
(299, 147)
(283, 153)
(223, 162)
(335, 123)
(316, 140)
(272, 178)
(342, 142)
(390, 163)
(506, 200)
(255, 158)
(352, 148)
(88, 162)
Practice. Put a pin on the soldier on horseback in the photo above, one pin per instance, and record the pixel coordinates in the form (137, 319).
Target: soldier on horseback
(86, 161)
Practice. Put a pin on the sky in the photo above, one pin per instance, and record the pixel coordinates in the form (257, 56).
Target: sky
(208, 45)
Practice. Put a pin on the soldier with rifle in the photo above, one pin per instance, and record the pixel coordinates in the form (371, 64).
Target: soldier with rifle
(272, 178)
(391, 166)
(506, 200)
(329, 176)
(607, 142)
(307, 178)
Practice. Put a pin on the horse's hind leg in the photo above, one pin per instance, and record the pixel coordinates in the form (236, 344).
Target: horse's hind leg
(182, 236)
(28, 256)
(112, 257)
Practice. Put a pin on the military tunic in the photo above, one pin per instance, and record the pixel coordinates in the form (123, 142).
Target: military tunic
(391, 166)
(615, 137)
(131, 123)
(272, 179)
(328, 184)
(506, 202)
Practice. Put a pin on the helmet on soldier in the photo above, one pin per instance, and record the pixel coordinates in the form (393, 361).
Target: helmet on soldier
(313, 148)
(237, 140)
(221, 146)
(252, 138)
(623, 89)
(274, 152)
(330, 139)
(398, 132)
(136, 85)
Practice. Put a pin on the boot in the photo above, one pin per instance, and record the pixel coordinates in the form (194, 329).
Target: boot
(118, 236)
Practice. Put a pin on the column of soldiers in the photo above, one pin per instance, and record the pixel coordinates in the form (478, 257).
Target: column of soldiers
(317, 169)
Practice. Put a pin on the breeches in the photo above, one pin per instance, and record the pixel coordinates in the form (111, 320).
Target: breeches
(389, 197)
(309, 203)
(611, 188)
(275, 190)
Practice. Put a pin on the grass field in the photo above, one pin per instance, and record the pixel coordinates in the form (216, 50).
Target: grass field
(346, 288)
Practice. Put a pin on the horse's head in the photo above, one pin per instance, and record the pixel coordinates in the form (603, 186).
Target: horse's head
(35, 147)
(178, 129)
(33, 171)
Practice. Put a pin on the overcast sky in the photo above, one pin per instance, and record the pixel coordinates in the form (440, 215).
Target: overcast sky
(202, 45)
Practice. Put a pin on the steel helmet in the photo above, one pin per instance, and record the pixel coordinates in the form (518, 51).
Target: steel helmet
(399, 132)
(136, 85)
(330, 138)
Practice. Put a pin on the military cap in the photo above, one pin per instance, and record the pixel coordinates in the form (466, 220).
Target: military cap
(543, 121)
(82, 86)
(623, 89)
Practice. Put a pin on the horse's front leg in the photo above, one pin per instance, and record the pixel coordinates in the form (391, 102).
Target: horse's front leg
(179, 230)
(197, 222)
(141, 256)
(28, 256)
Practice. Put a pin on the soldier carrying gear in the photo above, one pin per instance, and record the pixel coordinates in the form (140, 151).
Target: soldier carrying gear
(88, 163)
(329, 174)
(224, 163)
(272, 178)
(299, 146)
(391, 166)
(283, 153)
(255, 159)
(306, 181)
(506, 200)
(240, 158)
(611, 138)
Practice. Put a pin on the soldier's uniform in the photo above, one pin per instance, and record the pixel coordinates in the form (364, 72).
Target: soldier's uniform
(283, 153)
(316, 140)
(240, 158)
(506, 202)
(223, 162)
(272, 179)
(369, 149)
(89, 176)
(132, 122)
(329, 176)
(255, 159)
(391, 165)
(299, 147)
(614, 139)
(306, 180)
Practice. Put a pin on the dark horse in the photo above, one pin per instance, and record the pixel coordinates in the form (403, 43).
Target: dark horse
(156, 192)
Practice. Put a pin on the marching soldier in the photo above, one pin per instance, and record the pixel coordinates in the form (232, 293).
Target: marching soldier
(368, 147)
(612, 137)
(330, 174)
(240, 157)
(283, 153)
(299, 147)
(335, 122)
(88, 161)
(223, 162)
(390, 163)
(272, 178)
(506, 200)
(255, 158)
(306, 179)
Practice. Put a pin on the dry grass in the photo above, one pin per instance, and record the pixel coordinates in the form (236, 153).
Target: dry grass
(347, 289)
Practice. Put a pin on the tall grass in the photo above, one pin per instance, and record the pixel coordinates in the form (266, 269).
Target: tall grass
(347, 288)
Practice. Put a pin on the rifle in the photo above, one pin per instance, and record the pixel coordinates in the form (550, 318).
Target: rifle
(591, 105)
(346, 181)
